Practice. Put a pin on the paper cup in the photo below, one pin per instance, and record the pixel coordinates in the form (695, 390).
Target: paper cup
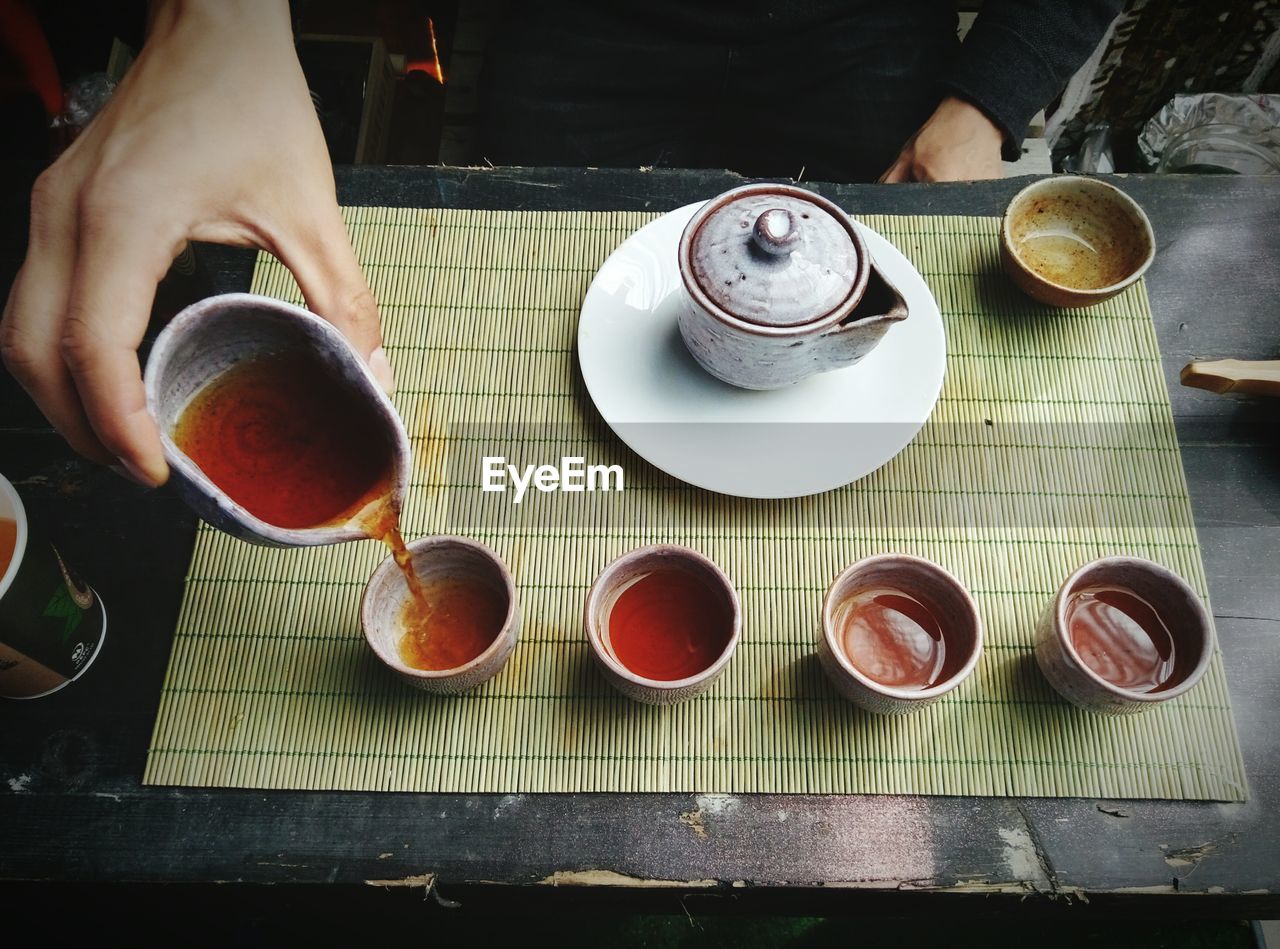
(52, 624)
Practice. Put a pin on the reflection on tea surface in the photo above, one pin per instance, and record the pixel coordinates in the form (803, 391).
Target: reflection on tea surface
(892, 638)
(1122, 638)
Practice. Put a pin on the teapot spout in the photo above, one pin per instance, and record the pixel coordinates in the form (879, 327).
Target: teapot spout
(881, 303)
(858, 333)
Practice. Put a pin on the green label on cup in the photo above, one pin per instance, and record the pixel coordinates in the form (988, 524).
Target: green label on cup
(51, 622)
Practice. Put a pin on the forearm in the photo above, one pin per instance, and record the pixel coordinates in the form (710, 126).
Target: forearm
(1019, 55)
(161, 13)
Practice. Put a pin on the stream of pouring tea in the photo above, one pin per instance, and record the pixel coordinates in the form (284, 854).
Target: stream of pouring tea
(295, 450)
(447, 621)
(382, 523)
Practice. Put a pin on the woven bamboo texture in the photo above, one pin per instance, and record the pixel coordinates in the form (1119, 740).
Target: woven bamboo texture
(1052, 443)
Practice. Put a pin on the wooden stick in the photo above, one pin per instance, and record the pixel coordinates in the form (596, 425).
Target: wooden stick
(1256, 377)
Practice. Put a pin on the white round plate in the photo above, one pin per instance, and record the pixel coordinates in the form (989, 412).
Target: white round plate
(822, 433)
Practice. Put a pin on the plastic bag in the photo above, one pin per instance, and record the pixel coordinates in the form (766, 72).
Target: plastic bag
(1214, 133)
(1094, 156)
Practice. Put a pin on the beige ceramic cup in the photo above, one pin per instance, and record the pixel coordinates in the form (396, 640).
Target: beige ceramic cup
(930, 584)
(614, 580)
(1070, 241)
(1182, 612)
(435, 558)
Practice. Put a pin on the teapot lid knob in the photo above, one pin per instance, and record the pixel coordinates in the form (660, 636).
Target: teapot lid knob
(775, 232)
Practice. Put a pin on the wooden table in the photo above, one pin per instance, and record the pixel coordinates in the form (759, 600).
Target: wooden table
(72, 808)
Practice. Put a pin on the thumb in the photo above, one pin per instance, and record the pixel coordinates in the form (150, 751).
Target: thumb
(334, 287)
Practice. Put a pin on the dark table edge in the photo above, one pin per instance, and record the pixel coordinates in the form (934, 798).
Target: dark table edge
(494, 188)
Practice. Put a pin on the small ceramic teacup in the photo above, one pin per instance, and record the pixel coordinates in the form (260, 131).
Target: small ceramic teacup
(438, 558)
(1178, 653)
(662, 622)
(1071, 242)
(217, 334)
(898, 632)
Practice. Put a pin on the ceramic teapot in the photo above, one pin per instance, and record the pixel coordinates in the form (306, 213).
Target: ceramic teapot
(779, 286)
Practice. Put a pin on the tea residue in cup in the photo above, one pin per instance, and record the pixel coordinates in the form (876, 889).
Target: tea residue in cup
(8, 542)
(1068, 259)
(1122, 638)
(669, 624)
(1077, 241)
(451, 621)
(892, 638)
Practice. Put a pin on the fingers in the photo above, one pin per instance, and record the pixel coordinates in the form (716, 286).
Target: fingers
(898, 172)
(116, 273)
(330, 278)
(31, 333)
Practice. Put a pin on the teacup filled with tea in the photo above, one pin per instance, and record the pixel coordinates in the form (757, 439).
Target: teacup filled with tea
(1123, 634)
(662, 622)
(898, 632)
(453, 625)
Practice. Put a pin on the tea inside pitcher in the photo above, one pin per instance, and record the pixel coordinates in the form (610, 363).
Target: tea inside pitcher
(297, 447)
(289, 442)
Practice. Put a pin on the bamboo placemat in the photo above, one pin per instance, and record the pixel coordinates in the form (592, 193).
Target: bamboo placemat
(1052, 443)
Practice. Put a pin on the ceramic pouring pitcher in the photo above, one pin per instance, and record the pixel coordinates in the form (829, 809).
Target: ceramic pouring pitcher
(779, 286)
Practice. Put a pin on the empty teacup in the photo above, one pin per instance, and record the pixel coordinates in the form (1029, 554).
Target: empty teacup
(662, 623)
(1123, 634)
(452, 625)
(779, 286)
(898, 632)
(274, 429)
(1070, 241)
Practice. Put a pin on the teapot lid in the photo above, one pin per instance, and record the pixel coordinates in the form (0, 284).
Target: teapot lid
(776, 256)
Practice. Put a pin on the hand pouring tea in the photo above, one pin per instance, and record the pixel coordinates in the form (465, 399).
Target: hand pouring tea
(275, 430)
(779, 286)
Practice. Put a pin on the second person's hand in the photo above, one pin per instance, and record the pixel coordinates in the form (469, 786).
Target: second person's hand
(957, 143)
(212, 136)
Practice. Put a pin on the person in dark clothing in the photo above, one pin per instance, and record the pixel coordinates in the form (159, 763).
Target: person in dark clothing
(843, 90)
(212, 136)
